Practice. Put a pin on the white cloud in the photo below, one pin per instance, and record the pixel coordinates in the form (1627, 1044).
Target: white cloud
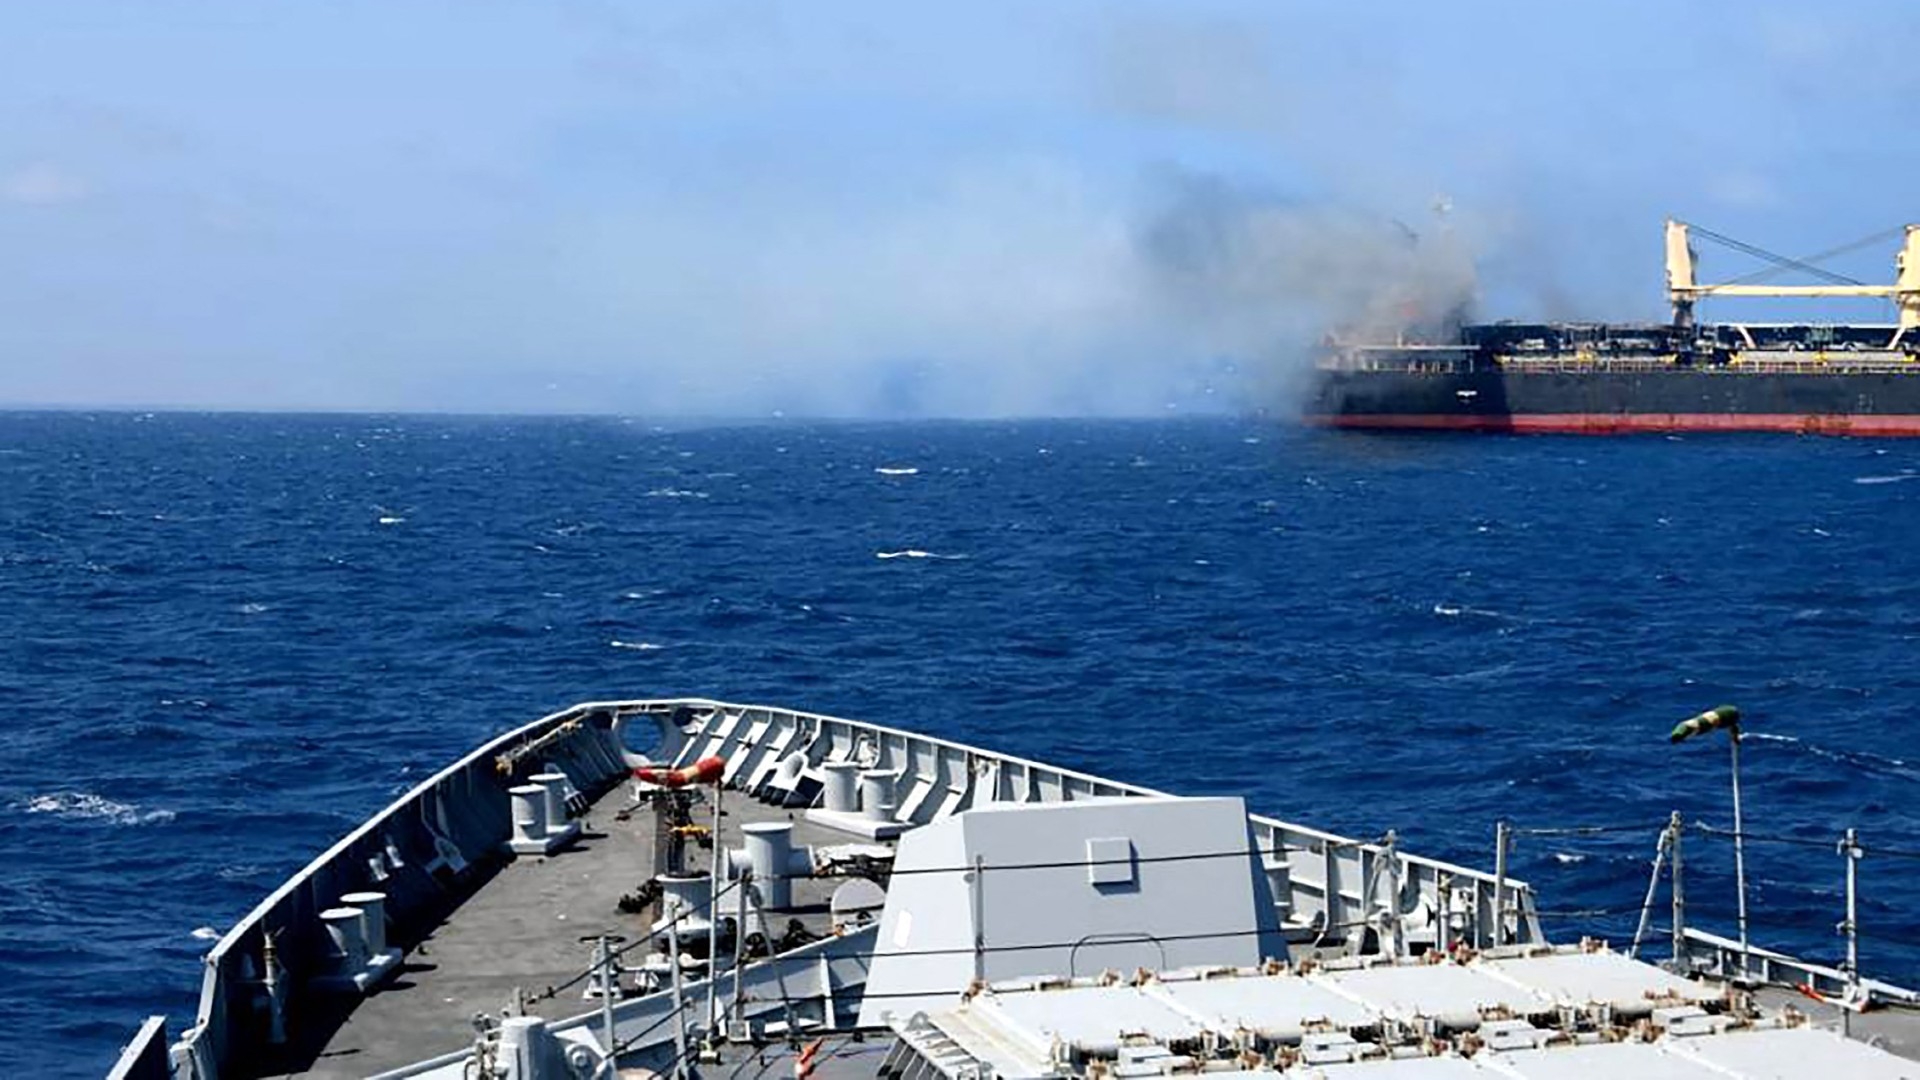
(1745, 189)
(43, 183)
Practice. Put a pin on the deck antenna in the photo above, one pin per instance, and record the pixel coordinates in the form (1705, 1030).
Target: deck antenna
(1850, 848)
(1726, 717)
(1677, 885)
(1502, 843)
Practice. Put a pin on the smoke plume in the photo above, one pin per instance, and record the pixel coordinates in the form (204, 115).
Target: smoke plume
(1267, 278)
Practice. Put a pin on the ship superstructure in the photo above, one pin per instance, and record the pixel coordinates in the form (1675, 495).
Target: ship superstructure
(765, 889)
(1682, 375)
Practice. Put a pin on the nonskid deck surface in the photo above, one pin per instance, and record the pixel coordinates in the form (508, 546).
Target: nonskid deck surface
(523, 929)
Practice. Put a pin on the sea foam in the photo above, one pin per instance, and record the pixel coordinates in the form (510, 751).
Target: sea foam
(86, 806)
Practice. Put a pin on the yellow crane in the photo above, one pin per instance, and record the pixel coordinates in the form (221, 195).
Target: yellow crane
(1683, 290)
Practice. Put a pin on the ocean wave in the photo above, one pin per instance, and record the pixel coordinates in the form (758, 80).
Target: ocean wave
(637, 646)
(204, 933)
(1455, 611)
(1894, 479)
(1859, 759)
(390, 519)
(86, 806)
(243, 872)
(913, 553)
(897, 470)
(675, 493)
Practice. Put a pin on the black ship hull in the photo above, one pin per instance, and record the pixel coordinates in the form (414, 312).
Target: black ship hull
(1601, 401)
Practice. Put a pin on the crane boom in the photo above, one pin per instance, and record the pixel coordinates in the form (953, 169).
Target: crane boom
(1683, 290)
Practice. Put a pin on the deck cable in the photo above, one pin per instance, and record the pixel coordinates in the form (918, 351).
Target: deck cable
(1778, 260)
(1587, 830)
(1764, 838)
(1894, 233)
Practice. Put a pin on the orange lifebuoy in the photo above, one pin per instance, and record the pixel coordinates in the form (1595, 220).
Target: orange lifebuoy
(708, 770)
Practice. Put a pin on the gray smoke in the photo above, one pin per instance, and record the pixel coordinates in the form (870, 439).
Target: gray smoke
(1266, 278)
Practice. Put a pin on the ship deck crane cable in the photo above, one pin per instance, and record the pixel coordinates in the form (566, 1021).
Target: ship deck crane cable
(1815, 259)
(1780, 262)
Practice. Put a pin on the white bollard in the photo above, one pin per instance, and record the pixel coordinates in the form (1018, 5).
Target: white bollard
(373, 918)
(555, 785)
(840, 791)
(346, 945)
(529, 815)
(769, 848)
(685, 897)
(876, 795)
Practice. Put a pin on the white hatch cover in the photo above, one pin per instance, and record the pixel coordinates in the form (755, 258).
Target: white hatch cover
(1451, 993)
(1279, 1007)
(1601, 977)
(1785, 1053)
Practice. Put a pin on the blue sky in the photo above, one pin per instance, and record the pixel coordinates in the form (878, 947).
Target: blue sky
(875, 209)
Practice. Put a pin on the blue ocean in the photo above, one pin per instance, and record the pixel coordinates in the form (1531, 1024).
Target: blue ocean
(229, 638)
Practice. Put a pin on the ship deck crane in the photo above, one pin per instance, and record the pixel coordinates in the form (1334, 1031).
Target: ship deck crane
(1683, 291)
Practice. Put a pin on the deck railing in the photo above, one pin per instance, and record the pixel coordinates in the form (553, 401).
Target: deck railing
(1328, 886)
(428, 851)
(438, 843)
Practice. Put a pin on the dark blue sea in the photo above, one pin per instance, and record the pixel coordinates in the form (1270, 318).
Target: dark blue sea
(230, 638)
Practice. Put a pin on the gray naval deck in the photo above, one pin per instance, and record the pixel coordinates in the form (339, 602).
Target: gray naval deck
(522, 932)
(1373, 988)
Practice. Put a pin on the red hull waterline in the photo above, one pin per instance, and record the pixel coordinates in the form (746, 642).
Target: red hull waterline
(1631, 423)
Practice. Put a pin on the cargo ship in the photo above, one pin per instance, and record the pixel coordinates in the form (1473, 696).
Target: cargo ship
(1681, 375)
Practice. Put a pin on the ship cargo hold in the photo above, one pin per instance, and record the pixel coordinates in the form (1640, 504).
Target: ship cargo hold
(1602, 378)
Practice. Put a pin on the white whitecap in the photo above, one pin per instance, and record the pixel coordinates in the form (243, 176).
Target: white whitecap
(1894, 479)
(86, 806)
(251, 608)
(391, 519)
(913, 553)
(1453, 611)
(205, 933)
(675, 493)
(637, 646)
(1568, 858)
(897, 470)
